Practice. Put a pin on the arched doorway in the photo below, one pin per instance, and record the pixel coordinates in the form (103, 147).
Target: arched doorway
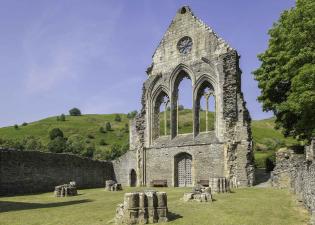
(133, 178)
(183, 170)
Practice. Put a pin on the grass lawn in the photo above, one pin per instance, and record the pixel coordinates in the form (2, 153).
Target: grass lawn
(96, 206)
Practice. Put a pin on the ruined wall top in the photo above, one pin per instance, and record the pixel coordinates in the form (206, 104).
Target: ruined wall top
(187, 40)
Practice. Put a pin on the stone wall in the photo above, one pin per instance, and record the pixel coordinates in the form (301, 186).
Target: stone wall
(207, 161)
(123, 166)
(33, 171)
(294, 172)
(209, 63)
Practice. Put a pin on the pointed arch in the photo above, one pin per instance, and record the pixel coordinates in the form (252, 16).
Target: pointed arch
(203, 83)
(181, 72)
(158, 98)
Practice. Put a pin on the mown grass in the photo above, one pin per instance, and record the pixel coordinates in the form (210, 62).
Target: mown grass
(97, 207)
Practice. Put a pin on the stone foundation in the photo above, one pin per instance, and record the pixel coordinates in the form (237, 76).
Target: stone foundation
(219, 185)
(142, 208)
(66, 190)
(199, 194)
(111, 185)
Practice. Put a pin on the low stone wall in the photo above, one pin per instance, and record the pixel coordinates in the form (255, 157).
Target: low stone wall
(33, 171)
(294, 172)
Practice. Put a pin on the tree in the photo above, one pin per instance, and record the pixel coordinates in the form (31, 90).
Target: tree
(54, 133)
(102, 130)
(132, 114)
(32, 143)
(89, 151)
(181, 107)
(57, 145)
(102, 142)
(108, 126)
(62, 117)
(286, 76)
(75, 112)
(16, 126)
(24, 124)
(76, 144)
(117, 118)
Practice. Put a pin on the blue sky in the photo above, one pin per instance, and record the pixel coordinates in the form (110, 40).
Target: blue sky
(92, 54)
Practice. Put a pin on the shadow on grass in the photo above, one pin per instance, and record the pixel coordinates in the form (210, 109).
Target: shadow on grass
(173, 216)
(7, 206)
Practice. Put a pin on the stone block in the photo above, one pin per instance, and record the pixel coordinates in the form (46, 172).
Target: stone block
(142, 208)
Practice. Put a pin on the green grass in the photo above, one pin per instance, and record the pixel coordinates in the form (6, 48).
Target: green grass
(96, 206)
(83, 125)
(266, 138)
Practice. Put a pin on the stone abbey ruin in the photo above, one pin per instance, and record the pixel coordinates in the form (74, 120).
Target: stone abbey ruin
(190, 49)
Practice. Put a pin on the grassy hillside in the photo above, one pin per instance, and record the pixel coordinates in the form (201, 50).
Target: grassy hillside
(266, 138)
(88, 126)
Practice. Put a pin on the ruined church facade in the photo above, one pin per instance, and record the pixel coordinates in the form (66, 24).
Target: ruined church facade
(190, 49)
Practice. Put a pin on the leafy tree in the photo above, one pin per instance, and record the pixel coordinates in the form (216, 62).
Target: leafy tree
(117, 118)
(286, 76)
(24, 124)
(54, 133)
(16, 126)
(181, 107)
(102, 129)
(57, 145)
(108, 126)
(102, 142)
(132, 114)
(89, 151)
(90, 136)
(62, 117)
(76, 144)
(126, 128)
(32, 143)
(75, 112)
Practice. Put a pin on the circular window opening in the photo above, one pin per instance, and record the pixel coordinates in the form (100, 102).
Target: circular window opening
(184, 45)
(183, 10)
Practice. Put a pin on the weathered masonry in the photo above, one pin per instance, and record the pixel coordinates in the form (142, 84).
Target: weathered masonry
(190, 49)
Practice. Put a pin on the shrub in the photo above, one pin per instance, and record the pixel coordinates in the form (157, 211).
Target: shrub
(91, 136)
(62, 117)
(117, 118)
(108, 126)
(119, 134)
(270, 163)
(54, 133)
(75, 112)
(32, 143)
(132, 114)
(16, 126)
(102, 142)
(102, 130)
(57, 145)
(24, 124)
(76, 144)
(126, 127)
(89, 151)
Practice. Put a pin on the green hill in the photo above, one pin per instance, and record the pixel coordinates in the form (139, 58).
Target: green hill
(266, 138)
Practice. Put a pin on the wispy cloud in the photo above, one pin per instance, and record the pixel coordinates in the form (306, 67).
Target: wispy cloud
(58, 51)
